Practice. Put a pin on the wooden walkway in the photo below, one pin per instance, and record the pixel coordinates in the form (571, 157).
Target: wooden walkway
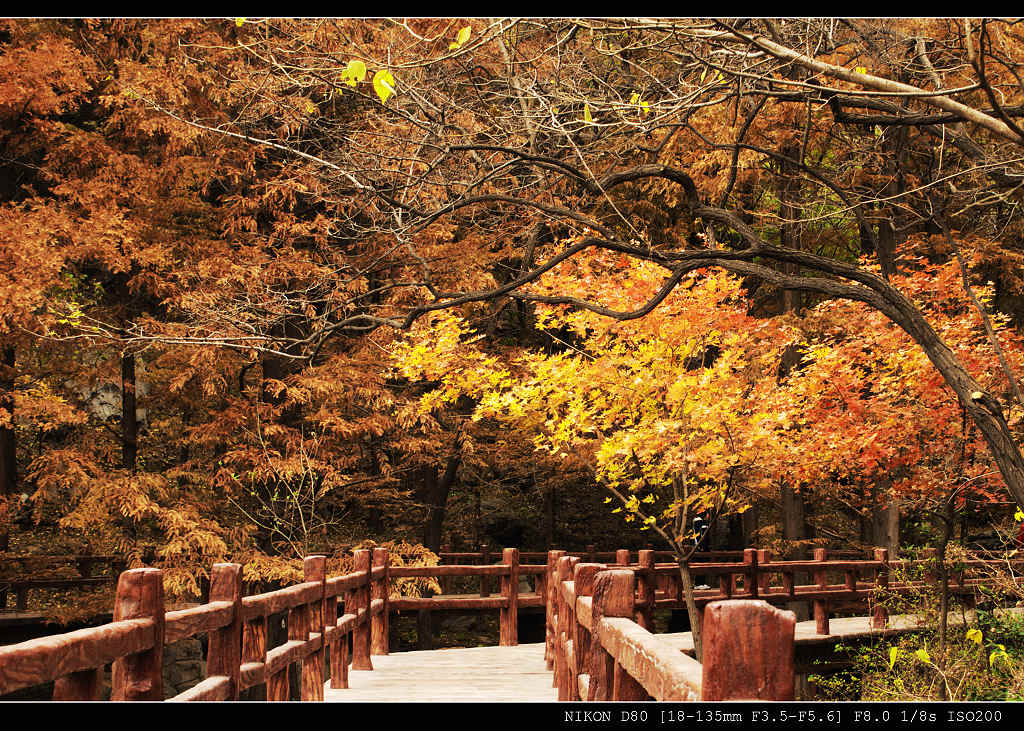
(518, 674)
(470, 675)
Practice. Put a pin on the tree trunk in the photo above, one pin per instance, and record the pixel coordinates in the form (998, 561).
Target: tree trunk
(436, 497)
(696, 624)
(794, 529)
(129, 418)
(885, 518)
(793, 522)
(549, 512)
(8, 451)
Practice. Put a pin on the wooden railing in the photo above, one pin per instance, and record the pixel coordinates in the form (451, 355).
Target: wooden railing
(599, 652)
(16, 568)
(599, 642)
(238, 656)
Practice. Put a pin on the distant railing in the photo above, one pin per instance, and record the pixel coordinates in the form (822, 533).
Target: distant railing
(16, 571)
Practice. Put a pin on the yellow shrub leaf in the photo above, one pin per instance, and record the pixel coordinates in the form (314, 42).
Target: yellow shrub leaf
(461, 38)
(384, 84)
(354, 72)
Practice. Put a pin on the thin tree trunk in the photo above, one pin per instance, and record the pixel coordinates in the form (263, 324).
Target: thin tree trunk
(8, 446)
(129, 418)
(436, 494)
(696, 621)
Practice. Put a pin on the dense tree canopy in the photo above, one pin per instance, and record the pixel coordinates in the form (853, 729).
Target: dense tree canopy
(272, 286)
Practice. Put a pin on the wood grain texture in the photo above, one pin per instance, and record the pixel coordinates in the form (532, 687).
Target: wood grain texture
(139, 676)
(477, 674)
(254, 652)
(48, 658)
(214, 688)
(379, 627)
(508, 620)
(224, 649)
(361, 596)
(312, 673)
(664, 673)
(184, 623)
(274, 602)
(81, 686)
(880, 616)
(748, 651)
(613, 597)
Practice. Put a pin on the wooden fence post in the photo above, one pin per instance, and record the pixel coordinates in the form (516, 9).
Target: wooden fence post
(764, 555)
(445, 581)
(81, 686)
(139, 677)
(613, 597)
(750, 574)
(748, 651)
(562, 629)
(361, 634)
(379, 635)
(485, 581)
(299, 621)
(591, 553)
(314, 568)
(509, 619)
(645, 590)
(338, 646)
(583, 579)
(424, 630)
(224, 651)
(821, 605)
(621, 557)
(550, 608)
(254, 643)
(930, 558)
(880, 617)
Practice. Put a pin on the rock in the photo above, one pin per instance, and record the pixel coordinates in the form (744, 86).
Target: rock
(184, 666)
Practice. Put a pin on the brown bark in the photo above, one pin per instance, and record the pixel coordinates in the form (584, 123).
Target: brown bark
(8, 445)
(696, 619)
(129, 416)
(435, 493)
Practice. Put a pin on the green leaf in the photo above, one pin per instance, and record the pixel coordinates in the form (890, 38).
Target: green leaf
(974, 635)
(239, 22)
(1019, 515)
(587, 117)
(354, 72)
(893, 654)
(922, 655)
(860, 70)
(384, 84)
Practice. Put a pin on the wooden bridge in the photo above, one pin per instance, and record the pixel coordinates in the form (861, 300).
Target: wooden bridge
(599, 644)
